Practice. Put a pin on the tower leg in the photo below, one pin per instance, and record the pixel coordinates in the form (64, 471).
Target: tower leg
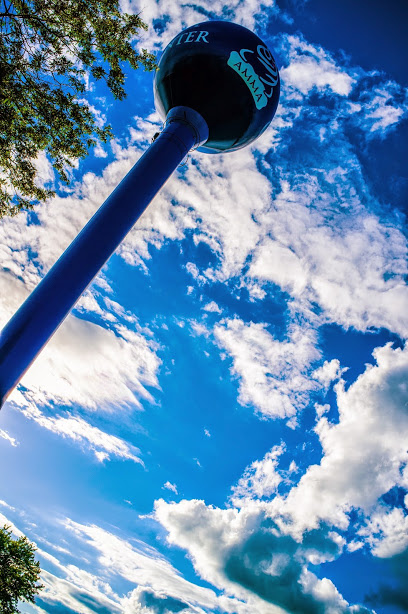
(38, 318)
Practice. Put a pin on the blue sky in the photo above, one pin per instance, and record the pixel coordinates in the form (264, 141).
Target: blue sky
(221, 424)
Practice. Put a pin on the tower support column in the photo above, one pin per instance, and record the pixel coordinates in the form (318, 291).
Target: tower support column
(41, 314)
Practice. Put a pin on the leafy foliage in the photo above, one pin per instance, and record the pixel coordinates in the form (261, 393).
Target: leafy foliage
(19, 572)
(49, 49)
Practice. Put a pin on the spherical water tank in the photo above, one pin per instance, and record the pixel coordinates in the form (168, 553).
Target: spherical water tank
(227, 74)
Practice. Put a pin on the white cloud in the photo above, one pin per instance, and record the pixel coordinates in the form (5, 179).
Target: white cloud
(261, 478)
(80, 592)
(328, 249)
(145, 567)
(5, 521)
(45, 171)
(377, 108)
(321, 409)
(386, 531)
(274, 375)
(212, 307)
(313, 67)
(213, 201)
(254, 549)
(99, 151)
(244, 553)
(382, 112)
(102, 444)
(329, 372)
(364, 454)
(5, 504)
(384, 115)
(175, 17)
(169, 486)
(95, 367)
(9, 438)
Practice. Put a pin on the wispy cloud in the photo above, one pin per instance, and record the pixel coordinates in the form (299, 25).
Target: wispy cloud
(169, 486)
(110, 366)
(9, 438)
(382, 108)
(312, 67)
(148, 569)
(102, 444)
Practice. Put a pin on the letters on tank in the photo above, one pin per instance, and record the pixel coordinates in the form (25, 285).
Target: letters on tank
(255, 83)
(190, 37)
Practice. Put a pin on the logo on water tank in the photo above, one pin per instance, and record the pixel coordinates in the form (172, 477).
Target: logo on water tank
(261, 87)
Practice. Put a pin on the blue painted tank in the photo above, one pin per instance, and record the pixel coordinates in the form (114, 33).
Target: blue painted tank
(227, 74)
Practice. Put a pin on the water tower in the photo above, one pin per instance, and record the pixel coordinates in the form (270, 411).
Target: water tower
(217, 89)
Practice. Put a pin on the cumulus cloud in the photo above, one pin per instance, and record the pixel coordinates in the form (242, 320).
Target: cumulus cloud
(245, 553)
(386, 531)
(329, 372)
(264, 544)
(146, 601)
(364, 454)
(212, 307)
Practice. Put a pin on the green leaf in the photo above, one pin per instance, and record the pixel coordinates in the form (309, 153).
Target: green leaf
(48, 51)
